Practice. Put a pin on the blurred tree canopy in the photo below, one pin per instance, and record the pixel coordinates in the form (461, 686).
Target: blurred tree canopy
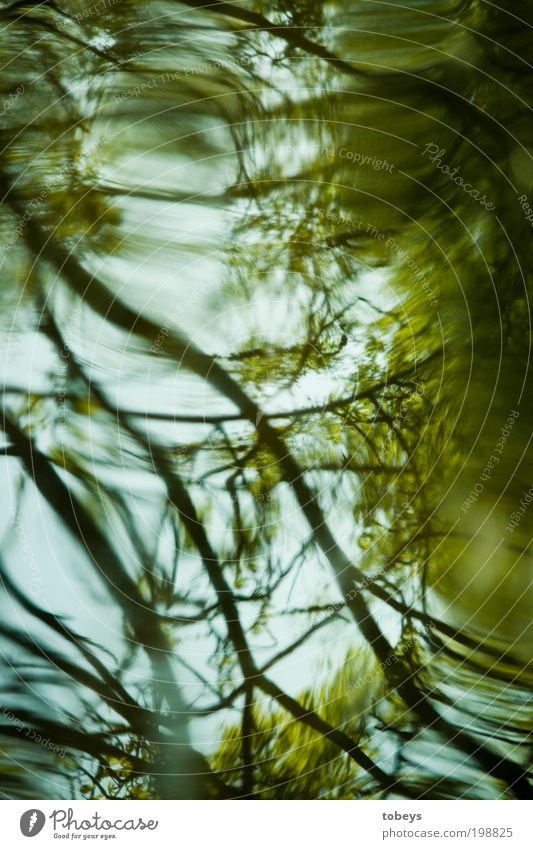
(266, 399)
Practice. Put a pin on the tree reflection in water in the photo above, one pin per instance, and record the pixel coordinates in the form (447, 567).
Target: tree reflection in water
(266, 400)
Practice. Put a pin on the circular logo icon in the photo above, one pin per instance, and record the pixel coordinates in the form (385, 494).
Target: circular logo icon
(32, 822)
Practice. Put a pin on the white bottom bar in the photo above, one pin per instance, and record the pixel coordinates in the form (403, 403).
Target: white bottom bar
(268, 825)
